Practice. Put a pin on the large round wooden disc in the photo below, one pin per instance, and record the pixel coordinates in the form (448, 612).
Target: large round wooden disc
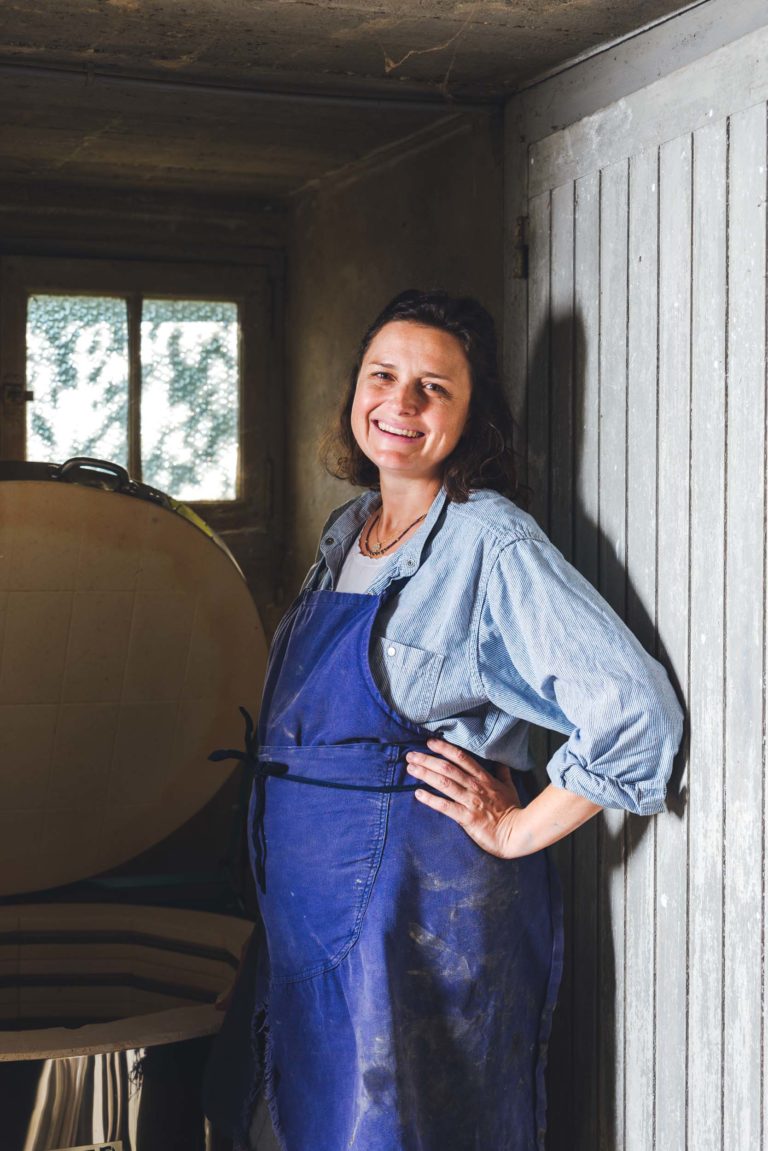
(128, 639)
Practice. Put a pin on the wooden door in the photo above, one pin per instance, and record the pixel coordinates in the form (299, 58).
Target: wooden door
(643, 326)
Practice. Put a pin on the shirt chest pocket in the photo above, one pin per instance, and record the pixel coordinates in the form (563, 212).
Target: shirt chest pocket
(406, 676)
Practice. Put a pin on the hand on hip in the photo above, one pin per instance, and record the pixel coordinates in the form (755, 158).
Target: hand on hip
(486, 806)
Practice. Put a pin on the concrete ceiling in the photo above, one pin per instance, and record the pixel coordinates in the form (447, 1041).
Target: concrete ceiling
(212, 95)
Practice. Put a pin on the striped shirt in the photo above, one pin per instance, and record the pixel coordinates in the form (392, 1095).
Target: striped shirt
(491, 630)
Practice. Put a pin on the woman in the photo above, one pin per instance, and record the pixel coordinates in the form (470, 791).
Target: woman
(404, 998)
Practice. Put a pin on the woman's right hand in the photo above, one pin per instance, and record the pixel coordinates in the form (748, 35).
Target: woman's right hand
(488, 807)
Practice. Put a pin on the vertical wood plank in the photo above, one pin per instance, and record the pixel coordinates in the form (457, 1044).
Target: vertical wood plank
(561, 532)
(641, 616)
(763, 347)
(561, 372)
(612, 548)
(537, 431)
(537, 407)
(673, 590)
(705, 803)
(745, 638)
(585, 850)
(587, 373)
(537, 436)
(613, 383)
(514, 335)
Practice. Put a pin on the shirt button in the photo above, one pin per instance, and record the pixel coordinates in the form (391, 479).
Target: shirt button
(391, 650)
(328, 539)
(410, 563)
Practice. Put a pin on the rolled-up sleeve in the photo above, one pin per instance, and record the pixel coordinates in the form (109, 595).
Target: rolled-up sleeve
(551, 650)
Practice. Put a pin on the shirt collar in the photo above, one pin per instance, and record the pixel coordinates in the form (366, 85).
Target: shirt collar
(405, 561)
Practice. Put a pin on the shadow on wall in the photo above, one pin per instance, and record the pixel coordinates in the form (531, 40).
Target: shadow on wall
(584, 1092)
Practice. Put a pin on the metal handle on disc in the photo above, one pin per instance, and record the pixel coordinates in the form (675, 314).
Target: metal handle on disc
(95, 473)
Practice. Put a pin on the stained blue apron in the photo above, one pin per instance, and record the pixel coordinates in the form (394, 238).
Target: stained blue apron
(403, 1000)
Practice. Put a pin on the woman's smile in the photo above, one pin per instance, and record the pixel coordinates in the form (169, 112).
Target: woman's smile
(398, 430)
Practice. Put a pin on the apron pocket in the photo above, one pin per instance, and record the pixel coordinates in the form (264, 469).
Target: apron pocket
(323, 849)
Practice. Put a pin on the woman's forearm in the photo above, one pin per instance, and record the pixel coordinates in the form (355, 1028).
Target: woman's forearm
(552, 815)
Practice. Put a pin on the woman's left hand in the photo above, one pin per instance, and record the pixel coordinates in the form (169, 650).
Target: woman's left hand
(486, 806)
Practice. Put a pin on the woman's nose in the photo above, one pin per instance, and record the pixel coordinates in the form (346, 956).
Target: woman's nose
(407, 397)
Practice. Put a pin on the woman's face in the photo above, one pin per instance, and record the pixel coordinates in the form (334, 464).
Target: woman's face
(412, 399)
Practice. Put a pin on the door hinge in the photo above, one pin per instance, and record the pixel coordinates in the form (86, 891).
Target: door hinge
(519, 252)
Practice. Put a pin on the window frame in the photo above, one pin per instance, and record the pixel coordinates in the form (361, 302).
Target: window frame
(247, 285)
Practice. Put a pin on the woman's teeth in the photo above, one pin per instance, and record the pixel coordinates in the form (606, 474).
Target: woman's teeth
(408, 433)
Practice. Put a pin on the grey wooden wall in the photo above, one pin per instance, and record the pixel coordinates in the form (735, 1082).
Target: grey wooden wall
(645, 416)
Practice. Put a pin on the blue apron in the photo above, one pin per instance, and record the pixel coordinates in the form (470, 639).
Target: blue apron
(403, 1000)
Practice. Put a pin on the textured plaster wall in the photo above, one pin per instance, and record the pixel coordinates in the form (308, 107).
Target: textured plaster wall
(431, 218)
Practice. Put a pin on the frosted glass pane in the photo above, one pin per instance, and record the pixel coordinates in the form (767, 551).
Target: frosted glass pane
(77, 366)
(190, 397)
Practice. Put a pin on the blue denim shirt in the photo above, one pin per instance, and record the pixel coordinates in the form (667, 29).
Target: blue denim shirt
(493, 630)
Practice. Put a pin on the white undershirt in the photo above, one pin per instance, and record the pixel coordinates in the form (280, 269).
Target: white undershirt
(358, 571)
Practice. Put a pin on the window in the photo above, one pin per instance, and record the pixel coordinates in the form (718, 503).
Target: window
(162, 369)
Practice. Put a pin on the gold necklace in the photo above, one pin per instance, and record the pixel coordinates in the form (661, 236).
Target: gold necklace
(375, 550)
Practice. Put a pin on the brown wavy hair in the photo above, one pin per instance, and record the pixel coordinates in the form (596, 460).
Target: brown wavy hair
(484, 456)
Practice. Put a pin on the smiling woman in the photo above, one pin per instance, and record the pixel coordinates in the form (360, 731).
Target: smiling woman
(412, 915)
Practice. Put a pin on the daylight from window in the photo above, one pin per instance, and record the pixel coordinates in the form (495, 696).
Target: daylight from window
(78, 369)
(189, 398)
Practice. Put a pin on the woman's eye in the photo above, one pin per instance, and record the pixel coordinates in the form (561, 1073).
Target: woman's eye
(432, 387)
(382, 376)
